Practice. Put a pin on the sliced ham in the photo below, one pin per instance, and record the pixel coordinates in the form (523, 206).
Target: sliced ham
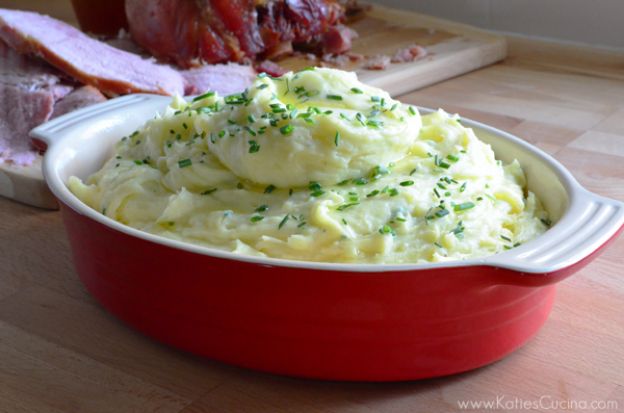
(224, 79)
(28, 91)
(111, 70)
(79, 98)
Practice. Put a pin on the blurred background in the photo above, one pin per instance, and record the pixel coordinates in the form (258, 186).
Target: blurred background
(595, 22)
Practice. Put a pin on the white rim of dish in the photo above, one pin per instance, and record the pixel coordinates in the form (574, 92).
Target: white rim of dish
(589, 221)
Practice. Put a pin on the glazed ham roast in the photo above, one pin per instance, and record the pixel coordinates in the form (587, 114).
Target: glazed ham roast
(192, 32)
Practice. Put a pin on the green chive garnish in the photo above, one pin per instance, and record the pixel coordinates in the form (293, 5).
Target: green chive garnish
(345, 206)
(184, 163)
(387, 229)
(334, 97)
(337, 138)
(407, 183)
(204, 96)
(253, 147)
(287, 129)
(464, 206)
(356, 91)
(256, 218)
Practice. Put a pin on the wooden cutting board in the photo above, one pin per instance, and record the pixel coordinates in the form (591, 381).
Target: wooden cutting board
(453, 49)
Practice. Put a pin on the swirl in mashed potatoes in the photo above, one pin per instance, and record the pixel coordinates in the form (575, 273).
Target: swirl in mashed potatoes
(316, 166)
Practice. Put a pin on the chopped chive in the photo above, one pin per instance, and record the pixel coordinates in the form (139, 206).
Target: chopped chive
(378, 171)
(407, 183)
(356, 91)
(283, 222)
(435, 191)
(393, 192)
(372, 193)
(506, 238)
(462, 188)
(138, 162)
(209, 191)
(411, 110)
(458, 230)
(360, 118)
(287, 129)
(464, 206)
(546, 221)
(374, 123)
(256, 218)
(269, 189)
(334, 97)
(360, 181)
(348, 205)
(253, 146)
(375, 98)
(262, 86)
(204, 96)
(262, 208)
(184, 163)
(452, 158)
(441, 213)
(251, 118)
(437, 244)
(387, 230)
(337, 138)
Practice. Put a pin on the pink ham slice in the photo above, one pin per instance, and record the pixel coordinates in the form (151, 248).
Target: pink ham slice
(79, 98)
(111, 70)
(224, 79)
(28, 90)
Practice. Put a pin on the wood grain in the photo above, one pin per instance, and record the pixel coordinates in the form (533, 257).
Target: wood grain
(60, 352)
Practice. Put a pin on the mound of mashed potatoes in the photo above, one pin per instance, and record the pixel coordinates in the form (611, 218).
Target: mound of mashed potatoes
(316, 166)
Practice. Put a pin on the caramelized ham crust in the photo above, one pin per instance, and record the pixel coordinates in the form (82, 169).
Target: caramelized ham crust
(192, 32)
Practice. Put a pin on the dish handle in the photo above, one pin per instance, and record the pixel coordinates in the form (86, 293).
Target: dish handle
(143, 105)
(590, 224)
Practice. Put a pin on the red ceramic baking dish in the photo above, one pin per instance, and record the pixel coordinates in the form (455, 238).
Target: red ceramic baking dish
(322, 320)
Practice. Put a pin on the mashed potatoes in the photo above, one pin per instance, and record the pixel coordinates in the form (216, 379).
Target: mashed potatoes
(316, 166)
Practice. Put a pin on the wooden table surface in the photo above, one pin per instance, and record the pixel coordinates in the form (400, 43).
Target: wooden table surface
(61, 352)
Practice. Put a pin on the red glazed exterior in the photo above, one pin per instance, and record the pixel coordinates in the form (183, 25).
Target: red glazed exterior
(312, 323)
